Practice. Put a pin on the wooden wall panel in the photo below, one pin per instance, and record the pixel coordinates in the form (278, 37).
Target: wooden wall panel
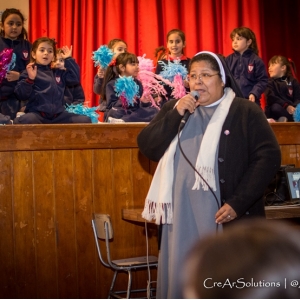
(67, 276)
(83, 211)
(7, 253)
(122, 197)
(52, 179)
(289, 154)
(46, 248)
(103, 203)
(24, 226)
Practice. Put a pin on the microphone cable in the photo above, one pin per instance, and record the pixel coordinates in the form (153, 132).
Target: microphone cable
(189, 162)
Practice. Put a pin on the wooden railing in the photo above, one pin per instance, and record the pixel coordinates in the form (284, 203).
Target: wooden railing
(52, 178)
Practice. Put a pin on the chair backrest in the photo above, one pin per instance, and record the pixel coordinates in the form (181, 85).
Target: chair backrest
(99, 221)
(102, 229)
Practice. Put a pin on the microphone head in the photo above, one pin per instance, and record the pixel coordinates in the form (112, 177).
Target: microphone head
(195, 94)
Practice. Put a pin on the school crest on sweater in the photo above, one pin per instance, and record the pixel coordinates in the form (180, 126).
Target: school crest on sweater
(25, 54)
(250, 68)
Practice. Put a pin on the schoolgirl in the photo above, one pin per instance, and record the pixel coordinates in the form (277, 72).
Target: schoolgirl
(44, 86)
(247, 68)
(14, 36)
(74, 94)
(175, 51)
(117, 46)
(123, 91)
(283, 90)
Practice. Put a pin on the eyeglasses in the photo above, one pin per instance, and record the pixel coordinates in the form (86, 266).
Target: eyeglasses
(204, 77)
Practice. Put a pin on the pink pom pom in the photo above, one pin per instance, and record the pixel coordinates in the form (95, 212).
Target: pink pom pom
(178, 87)
(5, 61)
(145, 64)
(152, 83)
(123, 101)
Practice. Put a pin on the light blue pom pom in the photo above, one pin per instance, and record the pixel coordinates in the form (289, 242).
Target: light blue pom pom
(296, 114)
(12, 63)
(126, 87)
(102, 57)
(171, 69)
(80, 109)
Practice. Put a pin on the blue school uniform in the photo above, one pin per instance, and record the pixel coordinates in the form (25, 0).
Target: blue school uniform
(74, 94)
(280, 93)
(45, 94)
(97, 88)
(250, 73)
(9, 103)
(138, 112)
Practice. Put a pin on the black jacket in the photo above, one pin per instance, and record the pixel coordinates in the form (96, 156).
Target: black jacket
(22, 49)
(249, 156)
(46, 92)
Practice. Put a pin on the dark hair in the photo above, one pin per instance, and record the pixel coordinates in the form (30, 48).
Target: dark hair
(40, 40)
(114, 41)
(160, 52)
(113, 71)
(208, 58)
(14, 11)
(283, 61)
(248, 34)
(59, 51)
(179, 32)
(254, 250)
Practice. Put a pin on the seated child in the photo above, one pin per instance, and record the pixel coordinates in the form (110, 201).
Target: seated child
(74, 94)
(283, 90)
(120, 107)
(117, 46)
(44, 87)
(13, 36)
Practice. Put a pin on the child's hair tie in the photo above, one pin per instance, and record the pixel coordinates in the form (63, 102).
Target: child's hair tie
(112, 63)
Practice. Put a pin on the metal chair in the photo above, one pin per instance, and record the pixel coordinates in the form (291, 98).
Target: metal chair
(103, 230)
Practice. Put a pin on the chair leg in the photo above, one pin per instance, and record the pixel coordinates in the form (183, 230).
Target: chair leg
(112, 283)
(129, 284)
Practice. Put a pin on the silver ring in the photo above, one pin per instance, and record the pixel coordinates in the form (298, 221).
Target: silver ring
(228, 217)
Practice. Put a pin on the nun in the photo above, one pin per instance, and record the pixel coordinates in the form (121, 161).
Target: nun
(217, 153)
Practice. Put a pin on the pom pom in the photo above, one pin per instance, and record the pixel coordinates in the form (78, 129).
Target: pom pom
(80, 109)
(296, 114)
(178, 87)
(102, 57)
(7, 62)
(145, 64)
(172, 69)
(127, 90)
(152, 83)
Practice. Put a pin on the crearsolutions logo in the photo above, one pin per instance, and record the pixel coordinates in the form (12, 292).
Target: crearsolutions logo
(240, 283)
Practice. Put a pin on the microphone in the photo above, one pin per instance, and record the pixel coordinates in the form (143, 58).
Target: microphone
(187, 113)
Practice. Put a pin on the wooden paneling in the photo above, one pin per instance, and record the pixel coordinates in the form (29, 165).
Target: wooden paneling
(7, 232)
(52, 178)
(68, 136)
